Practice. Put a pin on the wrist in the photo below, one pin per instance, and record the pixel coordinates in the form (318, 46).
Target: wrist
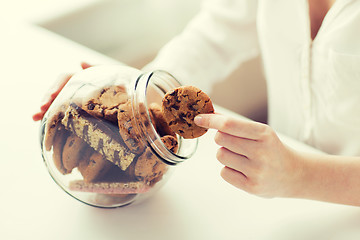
(324, 177)
(312, 176)
(299, 176)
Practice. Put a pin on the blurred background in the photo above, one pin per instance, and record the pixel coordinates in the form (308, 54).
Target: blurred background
(132, 32)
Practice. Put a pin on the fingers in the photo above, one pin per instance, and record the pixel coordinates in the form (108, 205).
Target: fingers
(54, 92)
(234, 126)
(255, 159)
(51, 95)
(233, 160)
(234, 177)
(235, 144)
(38, 116)
(85, 65)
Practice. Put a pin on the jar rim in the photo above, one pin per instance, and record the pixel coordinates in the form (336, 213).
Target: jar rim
(164, 82)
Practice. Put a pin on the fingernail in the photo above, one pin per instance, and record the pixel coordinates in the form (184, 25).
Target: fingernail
(198, 120)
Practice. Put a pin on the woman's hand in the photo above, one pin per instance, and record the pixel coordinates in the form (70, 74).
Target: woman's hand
(255, 159)
(258, 162)
(54, 92)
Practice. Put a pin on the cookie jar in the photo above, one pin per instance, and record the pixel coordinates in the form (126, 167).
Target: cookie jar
(104, 140)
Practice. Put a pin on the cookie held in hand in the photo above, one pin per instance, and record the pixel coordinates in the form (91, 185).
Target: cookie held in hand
(181, 105)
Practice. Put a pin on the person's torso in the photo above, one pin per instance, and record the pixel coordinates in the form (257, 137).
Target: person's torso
(313, 84)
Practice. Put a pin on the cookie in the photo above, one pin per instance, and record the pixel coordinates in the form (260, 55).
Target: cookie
(52, 126)
(162, 127)
(85, 159)
(110, 187)
(181, 105)
(102, 136)
(94, 168)
(72, 152)
(148, 167)
(171, 143)
(115, 174)
(58, 146)
(113, 96)
(105, 103)
(128, 129)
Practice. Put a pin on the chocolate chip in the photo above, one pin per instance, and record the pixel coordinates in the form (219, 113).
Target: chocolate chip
(149, 155)
(176, 107)
(71, 142)
(91, 106)
(182, 116)
(191, 106)
(100, 144)
(173, 93)
(146, 123)
(132, 142)
(103, 91)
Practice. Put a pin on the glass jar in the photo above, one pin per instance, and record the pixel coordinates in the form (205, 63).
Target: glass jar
(104, 140)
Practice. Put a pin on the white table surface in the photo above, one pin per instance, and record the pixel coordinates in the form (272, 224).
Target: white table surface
(195, 204)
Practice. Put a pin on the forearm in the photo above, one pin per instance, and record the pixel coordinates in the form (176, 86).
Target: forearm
(330, 178)
(212, 45)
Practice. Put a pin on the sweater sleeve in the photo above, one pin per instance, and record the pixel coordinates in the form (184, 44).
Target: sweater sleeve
(216, 41)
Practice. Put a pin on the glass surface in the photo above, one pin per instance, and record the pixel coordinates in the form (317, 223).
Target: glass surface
(103, 139)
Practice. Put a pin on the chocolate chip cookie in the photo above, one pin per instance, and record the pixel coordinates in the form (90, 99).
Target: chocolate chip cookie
(98, 134)
(148, 167)
(53, 125)
(58, 146)
(171, 143)
(162, 127)
(181, 105)
(93, 169)
(106, 102)
(72, 152)
(127, 126)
